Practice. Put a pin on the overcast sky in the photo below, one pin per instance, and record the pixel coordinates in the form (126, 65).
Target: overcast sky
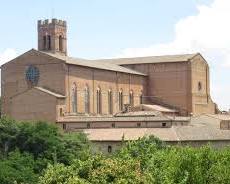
(128, 28)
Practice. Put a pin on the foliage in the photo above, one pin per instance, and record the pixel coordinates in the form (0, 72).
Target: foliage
(98, 170)
(27, 148)
(18, 167)
(39, 142)
(8, 135)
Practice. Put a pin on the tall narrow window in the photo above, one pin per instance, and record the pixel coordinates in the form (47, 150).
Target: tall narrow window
(87, 100)
(49, 42)
(199, 86)
(110, 102)
(120, 100)
(60, 43)
(98, 101)
(74, 98)
(44, 42)
(141, 98)
(131, 99)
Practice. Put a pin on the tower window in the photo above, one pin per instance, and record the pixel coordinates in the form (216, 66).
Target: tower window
(49, 42)
(60, 43)
(163, 124)
(110, 102)
(44, 42)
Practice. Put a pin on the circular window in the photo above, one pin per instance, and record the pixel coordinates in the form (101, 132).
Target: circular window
(199, 86)
(32, 75)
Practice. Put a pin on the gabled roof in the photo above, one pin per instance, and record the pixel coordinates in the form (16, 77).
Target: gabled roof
(94, 64)
(42, 90)
(151, 59)
(49, 92)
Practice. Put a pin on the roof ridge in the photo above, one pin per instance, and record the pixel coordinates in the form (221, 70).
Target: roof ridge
(94, 64)
(167, 55)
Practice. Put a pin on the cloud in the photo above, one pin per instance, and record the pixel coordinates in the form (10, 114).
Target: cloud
(208, 32)
(7, 55)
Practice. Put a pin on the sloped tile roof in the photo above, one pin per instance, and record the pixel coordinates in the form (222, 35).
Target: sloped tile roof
(151, 59)
(94, 64)
(202, 128)
(117, 134)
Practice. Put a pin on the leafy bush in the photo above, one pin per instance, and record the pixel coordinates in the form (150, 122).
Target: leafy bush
(40, 144)
(27, 148)
(18, 167)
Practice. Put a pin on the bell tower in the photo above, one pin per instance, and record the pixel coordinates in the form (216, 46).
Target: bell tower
(52, 36)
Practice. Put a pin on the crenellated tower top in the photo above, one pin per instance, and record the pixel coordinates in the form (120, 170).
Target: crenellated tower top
(52, 36)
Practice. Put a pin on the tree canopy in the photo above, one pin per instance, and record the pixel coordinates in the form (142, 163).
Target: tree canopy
(38, 152)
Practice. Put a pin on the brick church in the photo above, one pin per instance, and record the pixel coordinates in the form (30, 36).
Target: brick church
(47, 84)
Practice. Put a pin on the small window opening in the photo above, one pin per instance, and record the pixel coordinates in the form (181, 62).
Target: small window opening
(113, 125)
(88, 125)
(61, 112)
(138, 124)
(109, 149)
(164, 124)
(64, 126)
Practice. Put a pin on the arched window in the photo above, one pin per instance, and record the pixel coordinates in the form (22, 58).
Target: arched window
(110, 102)
(49, 42)
(98, 101)
(131, 98)
(74, 98)
(87, 106)
(60, 43)
(120, 100)
(44, 42)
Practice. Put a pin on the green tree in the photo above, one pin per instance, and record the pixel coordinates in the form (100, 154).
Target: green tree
(17, 168)
(8, 135)
(43, 141)
(97, 170)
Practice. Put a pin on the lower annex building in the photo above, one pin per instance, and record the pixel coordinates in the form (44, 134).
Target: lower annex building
(108, 96)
